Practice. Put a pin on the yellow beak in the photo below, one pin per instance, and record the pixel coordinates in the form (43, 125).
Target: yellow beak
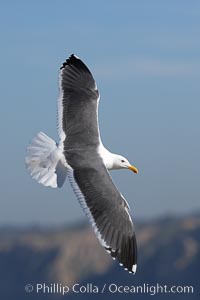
(133, 168)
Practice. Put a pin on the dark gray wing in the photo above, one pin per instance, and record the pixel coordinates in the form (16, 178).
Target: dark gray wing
(79, 132)
(107, 211)
(77, 105)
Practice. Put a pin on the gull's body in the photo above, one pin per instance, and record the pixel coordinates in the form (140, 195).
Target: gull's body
(81, 156)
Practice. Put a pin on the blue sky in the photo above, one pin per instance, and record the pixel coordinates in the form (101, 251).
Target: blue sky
(145, 58)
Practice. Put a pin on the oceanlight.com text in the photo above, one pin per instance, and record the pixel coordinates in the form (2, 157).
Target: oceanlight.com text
(112, 288)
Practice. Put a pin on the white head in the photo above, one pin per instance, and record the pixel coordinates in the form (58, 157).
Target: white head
(120, 162)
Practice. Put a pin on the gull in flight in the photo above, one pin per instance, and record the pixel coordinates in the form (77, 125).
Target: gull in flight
(81, 156)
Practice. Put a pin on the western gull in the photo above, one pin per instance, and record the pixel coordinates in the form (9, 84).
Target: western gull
(81, 155)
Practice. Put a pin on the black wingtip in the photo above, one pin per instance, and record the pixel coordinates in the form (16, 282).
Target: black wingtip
(127, 267)
(69, 61)
(75, 70)
(74, 60)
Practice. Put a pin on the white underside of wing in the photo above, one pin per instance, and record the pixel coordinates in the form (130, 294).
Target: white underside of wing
(84, 206)
(127, 208)
(61, 133)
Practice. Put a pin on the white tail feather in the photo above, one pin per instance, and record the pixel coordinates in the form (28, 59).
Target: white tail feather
(45, 161)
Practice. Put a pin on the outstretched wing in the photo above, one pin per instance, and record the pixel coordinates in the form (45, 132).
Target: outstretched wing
(77, 105)
(107, 211)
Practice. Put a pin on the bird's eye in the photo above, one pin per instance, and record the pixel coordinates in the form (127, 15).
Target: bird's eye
(122, 160)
